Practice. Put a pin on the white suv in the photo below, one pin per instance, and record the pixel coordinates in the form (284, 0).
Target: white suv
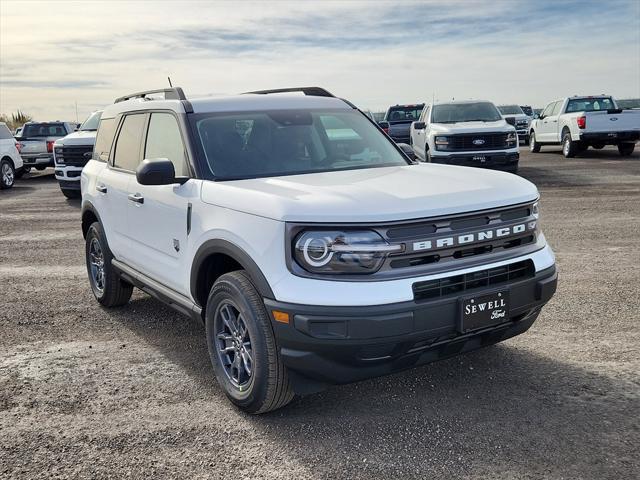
(10, 160)
(313, 249)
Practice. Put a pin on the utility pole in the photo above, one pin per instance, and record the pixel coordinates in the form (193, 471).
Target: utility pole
(76, 111)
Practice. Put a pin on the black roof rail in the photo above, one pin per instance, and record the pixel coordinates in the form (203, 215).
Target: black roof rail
(310, 91)
(175, 93)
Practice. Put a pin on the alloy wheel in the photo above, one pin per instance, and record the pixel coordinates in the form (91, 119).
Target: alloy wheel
(7, 174)
(233, 345)
(96, 260)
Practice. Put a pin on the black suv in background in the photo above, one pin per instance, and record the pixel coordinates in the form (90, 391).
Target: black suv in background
(398, 119)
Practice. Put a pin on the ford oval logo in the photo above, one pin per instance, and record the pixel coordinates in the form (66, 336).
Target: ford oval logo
(613, 119)
(478, 141)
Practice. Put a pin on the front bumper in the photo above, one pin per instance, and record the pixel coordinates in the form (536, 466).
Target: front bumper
(70, 174)
(37, 160)
(610, 138)
(334, 345)
(479, 159)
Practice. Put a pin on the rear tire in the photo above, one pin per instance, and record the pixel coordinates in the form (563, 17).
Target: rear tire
(569, 147)
(626, 149)
(243, 348)
(20, 172)
(7, 174)
(107, 287)
(69, 193)
(41, 167)
(534, 146)
(598, 146)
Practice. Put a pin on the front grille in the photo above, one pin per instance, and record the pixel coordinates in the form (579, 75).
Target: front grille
(75, 155)
(465, 142)
(519, 220)
(484, 278)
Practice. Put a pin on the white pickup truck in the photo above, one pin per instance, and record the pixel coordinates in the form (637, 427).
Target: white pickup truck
(578, 123)
(466, 133)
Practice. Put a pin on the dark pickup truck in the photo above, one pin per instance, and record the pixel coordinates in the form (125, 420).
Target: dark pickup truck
(397, 121)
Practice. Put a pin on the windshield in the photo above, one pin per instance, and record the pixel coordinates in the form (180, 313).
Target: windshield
(407, 113)
(44, 130)
(527, 110)
(465, 112)
(91, 123)
(290, 142)
(590, 104)
(510, 110)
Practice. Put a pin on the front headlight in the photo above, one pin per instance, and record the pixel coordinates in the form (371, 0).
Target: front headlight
(341, 252)
(57, 154)
(535, 209)
(512, 139)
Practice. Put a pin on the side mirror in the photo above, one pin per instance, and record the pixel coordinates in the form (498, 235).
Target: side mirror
(419, 125)
(408, 151)
(157, 171)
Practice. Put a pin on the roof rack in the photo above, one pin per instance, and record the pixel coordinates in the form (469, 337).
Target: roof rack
(175, 93)
(310, 91)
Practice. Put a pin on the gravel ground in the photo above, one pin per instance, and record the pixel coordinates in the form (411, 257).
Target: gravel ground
(91, 393)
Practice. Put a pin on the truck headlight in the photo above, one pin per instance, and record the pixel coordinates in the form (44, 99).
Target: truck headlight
(441, 143)
(535, 209)
(57, 154)
(342, 252)
(512, 139)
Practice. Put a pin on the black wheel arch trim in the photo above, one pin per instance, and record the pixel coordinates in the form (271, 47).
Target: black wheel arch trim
(218, 246)
(87, 206)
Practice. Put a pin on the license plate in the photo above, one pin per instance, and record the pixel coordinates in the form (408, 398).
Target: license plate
(484, 310)
(480, 158)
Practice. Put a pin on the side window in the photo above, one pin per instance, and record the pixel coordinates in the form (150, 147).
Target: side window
(5, 133)
(164, 141)
(104, 139)
(557, 107)
(127, 149)
(547, 111)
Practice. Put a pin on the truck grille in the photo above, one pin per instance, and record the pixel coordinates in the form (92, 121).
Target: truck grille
(484, 278)
(74, 155)
(484, 141)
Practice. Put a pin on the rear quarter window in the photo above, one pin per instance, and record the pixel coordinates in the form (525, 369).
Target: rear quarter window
(104, 139)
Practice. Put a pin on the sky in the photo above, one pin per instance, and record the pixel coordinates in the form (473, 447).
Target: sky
(58, 54)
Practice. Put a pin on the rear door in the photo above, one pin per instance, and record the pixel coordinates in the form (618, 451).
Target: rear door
(112, 184)
(158, 215)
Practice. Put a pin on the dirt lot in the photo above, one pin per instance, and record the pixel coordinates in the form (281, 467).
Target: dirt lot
(91, 393)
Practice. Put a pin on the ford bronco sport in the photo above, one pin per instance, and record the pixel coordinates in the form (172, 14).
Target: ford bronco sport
(314, 251)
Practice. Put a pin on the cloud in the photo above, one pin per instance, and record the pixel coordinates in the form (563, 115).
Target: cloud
(374, 53)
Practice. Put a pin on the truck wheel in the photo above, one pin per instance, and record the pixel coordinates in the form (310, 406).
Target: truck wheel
(243, 348)
(105, 282)
(69, 193)
(534, 147)
(41, 167)
(626, 149)
(569, 147)
(598, 146)
(7, 174)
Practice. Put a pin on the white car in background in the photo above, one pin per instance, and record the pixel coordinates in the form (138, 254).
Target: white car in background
(10, 160)
(514, 115)
(578, 123)
(71, 154)
(467, 133)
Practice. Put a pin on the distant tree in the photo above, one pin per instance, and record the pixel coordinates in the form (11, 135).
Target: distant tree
(16, 119)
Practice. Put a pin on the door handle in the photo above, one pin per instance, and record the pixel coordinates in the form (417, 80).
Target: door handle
(136, 198)
(101, 188)
(554, 121)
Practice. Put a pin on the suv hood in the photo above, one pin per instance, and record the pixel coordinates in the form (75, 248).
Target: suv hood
(81, 137)
(472, 127)
(372, 195)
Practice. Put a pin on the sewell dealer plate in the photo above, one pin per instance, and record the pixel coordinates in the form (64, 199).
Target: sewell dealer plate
(484, 310)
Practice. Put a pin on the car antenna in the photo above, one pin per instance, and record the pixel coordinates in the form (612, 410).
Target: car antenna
(169, 78)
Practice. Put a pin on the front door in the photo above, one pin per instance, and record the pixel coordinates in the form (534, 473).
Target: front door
(158, 214)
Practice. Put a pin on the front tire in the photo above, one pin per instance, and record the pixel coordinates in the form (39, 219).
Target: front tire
(569, 147)
(534, 146)
(7, 174)
(626, 149)
(106, 285)
(243, 348)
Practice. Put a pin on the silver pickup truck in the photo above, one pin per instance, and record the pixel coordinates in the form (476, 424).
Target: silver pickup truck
(36, 142)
